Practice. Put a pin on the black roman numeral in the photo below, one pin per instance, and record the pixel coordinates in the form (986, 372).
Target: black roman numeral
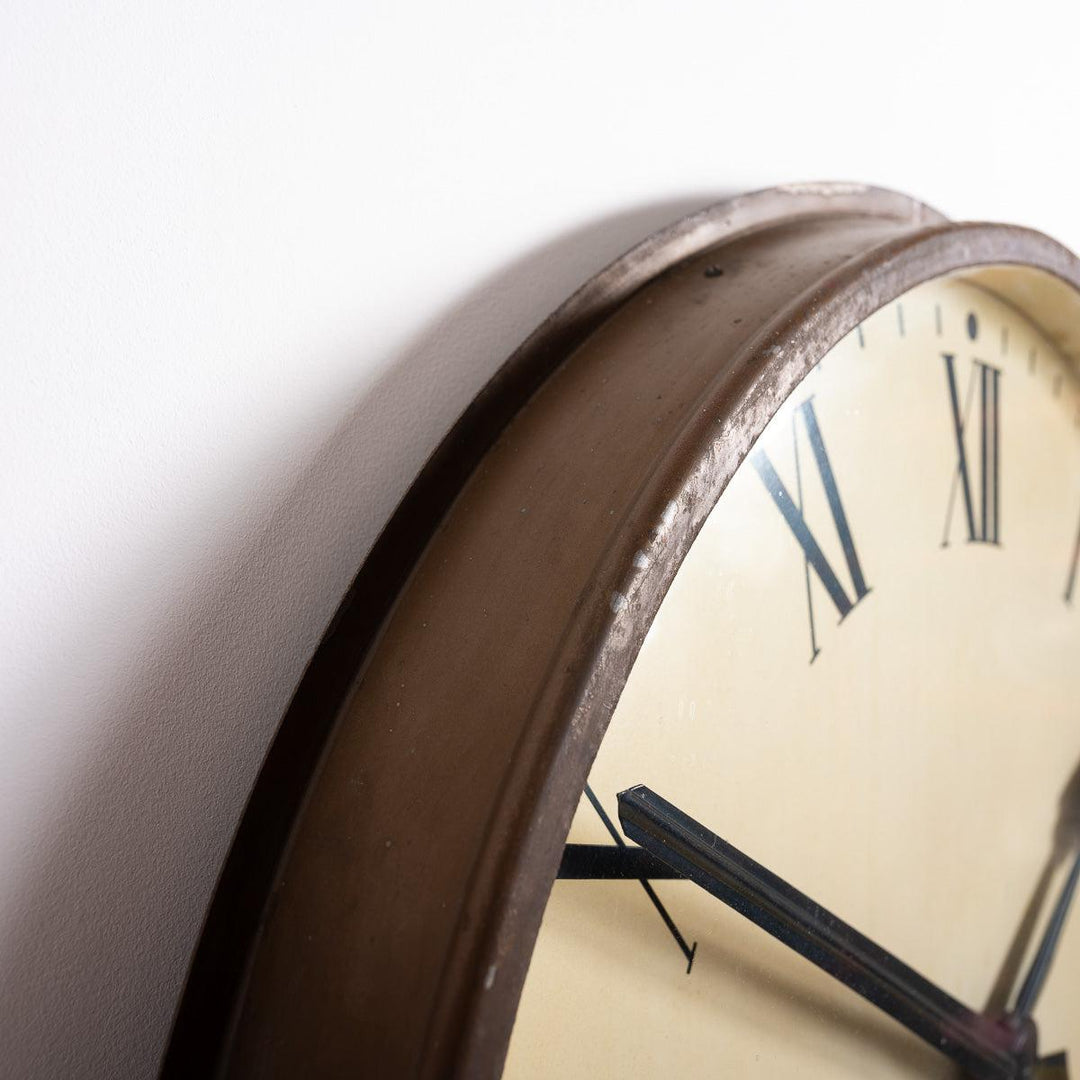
(984, 527)
(585, 862)
(792, 512)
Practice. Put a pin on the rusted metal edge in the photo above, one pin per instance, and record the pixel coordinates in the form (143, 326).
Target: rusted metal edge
(639, 567)
(217, 974)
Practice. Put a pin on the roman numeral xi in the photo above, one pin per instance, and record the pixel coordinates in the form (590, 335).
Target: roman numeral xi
(791, 509)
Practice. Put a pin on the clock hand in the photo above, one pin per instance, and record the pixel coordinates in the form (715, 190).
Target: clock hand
(1001, 993)
(1040, 966)
(1066, 841)
(986, 1048)
(1051, 1067)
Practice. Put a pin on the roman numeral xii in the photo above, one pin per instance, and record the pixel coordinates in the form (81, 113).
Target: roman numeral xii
(982, 504)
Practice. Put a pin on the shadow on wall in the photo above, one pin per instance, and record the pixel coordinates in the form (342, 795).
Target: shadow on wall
(110, 911)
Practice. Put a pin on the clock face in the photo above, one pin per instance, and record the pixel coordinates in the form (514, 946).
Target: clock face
(865, 677)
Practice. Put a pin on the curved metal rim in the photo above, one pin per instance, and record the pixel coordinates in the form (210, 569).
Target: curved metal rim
(692, 479)
(218, 971)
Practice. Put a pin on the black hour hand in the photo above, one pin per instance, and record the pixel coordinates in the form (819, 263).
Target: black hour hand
(986, 1048)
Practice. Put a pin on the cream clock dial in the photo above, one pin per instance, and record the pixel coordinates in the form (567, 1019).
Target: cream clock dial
(709, 705)
(865, 676)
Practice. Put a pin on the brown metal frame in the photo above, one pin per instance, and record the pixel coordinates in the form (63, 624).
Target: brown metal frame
(379, 906)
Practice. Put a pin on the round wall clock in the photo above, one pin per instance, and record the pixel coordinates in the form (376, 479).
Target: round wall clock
(709, 706)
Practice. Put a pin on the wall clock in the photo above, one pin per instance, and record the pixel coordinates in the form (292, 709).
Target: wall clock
(709, 705)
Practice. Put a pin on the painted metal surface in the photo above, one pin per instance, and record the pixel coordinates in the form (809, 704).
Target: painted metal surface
(378, 910)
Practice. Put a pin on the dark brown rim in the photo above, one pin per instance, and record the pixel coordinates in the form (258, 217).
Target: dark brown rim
(860, 249)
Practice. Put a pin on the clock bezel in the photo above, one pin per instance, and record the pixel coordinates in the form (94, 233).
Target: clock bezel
(818, 259)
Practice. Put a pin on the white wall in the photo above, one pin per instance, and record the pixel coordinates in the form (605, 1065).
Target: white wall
(254, 260)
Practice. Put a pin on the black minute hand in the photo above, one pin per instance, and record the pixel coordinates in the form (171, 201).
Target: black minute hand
(1040, 966)
(984, 1047)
